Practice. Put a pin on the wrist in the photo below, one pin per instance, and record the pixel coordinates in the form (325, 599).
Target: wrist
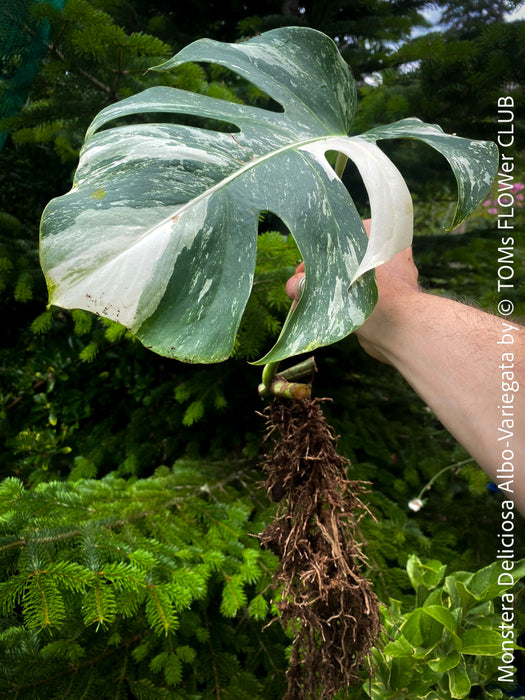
(392, 317)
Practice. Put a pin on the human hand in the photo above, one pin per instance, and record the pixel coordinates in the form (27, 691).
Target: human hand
(294, 286)
(396, 285)
(396, 282)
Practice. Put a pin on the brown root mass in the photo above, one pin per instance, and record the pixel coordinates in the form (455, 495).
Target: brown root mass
(333, 612)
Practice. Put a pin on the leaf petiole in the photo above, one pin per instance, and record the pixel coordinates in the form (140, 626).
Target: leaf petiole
(340, 164)
(285, 383)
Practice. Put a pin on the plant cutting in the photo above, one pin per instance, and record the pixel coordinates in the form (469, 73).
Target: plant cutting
(159, 233)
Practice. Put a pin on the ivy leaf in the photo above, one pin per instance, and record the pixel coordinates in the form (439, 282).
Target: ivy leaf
(481, 642)
(398, 648)
(442, 615)
(159, 231)
(459, 681)
(421, 629)
(445, 663)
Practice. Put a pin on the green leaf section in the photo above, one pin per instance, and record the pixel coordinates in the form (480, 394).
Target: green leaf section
(159, 230)
(452, 641)
(474, 163)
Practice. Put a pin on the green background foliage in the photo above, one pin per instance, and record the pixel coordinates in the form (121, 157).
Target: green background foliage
(130, 503)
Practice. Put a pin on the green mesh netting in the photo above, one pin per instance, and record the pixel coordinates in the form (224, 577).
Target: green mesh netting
(23, 43)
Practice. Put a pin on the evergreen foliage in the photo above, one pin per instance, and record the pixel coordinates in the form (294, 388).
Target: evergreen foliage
(114, 587)
(466, 17)
(23, 43)
(366, 31)
(90, 60)
(456, 77)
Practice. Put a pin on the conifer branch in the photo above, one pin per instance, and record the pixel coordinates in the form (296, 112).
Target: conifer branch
(91, 662)
(84, 74)
(213, 661)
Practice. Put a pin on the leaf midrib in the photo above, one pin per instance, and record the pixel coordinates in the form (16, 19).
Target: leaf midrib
(225, 181)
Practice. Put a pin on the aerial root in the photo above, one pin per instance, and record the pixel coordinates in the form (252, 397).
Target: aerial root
(322, 593)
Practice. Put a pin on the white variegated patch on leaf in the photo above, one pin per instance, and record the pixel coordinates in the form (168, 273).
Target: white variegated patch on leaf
(159, 230)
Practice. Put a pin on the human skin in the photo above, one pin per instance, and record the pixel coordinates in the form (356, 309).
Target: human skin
(460, 360)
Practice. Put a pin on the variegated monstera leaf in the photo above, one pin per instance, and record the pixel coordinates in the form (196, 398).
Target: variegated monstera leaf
(159, 230)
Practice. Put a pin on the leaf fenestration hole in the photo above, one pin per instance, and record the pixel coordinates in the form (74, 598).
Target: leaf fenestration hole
(422, 167)
(354, 184)
(269, 221)
(246, 91)
(190, 120)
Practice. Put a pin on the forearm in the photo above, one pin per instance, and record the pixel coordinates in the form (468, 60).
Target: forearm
(455, 358)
